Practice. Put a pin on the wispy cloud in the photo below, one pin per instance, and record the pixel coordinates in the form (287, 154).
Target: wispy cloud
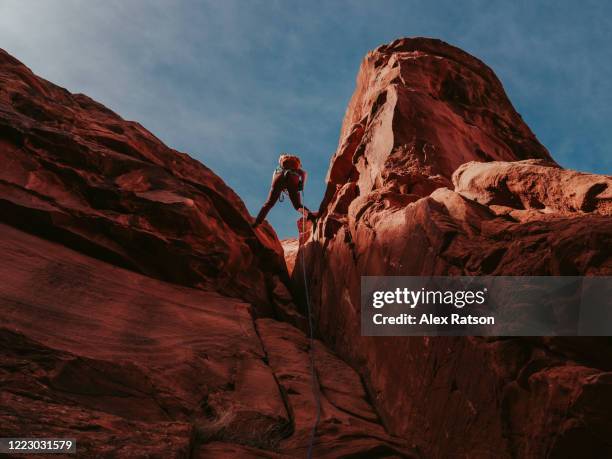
(235, 82)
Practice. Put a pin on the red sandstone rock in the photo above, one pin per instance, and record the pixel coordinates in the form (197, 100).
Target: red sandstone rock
(149, 360)
(401, 200)
(133, 366)
(106, 341)
(536, 188)
(77, 173)
(421, 109)
(290, 247)
(129, 317)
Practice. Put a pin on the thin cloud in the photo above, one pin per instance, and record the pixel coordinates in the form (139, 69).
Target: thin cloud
(233, 83)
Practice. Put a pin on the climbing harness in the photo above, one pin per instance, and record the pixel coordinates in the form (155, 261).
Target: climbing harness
(313, 372)
(284, 173)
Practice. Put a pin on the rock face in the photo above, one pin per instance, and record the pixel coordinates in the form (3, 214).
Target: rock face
(138, 307)
(291, 247)
(436, 174)
(421, 109)
(132, 366)
(534, 189)
(76, 173)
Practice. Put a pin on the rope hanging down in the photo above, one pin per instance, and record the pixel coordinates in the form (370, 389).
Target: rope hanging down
(313, 371)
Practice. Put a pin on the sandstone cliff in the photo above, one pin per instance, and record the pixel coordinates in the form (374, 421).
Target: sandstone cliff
(139, 308)
(436, 173)
(143, 316)
(76, 173)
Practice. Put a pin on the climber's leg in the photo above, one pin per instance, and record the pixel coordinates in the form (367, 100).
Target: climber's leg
(275, 191)
(296, 200)
(294, 193)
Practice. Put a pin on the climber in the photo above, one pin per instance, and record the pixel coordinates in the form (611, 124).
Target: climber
(290, 177)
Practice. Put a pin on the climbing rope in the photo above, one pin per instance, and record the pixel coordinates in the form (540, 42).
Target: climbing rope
(313, 371)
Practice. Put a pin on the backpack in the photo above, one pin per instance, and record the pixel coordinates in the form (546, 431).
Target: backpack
(289, 162)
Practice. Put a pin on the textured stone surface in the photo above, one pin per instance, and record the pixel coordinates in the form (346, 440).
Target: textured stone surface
(290, 248)
(77, 173)
(401, 200)
(349, 426)
(144, 317)
(132, 297)
(86, 336)
(421, 109)
(131, 365)
(533, 189)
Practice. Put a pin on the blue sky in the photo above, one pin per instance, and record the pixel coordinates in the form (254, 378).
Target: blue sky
(233, 83)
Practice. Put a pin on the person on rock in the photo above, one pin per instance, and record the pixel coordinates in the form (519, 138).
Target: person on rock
(290, 177)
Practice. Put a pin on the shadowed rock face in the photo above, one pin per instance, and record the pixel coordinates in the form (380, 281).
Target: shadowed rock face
(139, 309)
(130, 366)
(77, 173)
(137, 304)
(436, 174)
